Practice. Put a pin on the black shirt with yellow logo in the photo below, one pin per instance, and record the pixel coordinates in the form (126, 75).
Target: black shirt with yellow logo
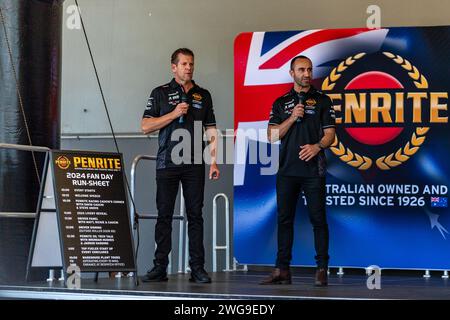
(164, 100)
(319, 115)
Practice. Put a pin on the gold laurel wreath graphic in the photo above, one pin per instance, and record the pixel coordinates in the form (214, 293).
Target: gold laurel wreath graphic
(413, 71)
(418, 137)
(349, 157)
(403, 154)
(362, 162)
(336, 72)
(345, 154)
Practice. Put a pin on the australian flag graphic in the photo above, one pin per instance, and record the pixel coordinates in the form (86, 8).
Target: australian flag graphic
(439, 202)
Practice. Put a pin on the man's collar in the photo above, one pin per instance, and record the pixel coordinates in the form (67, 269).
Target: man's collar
(311, 90)
(174, 84)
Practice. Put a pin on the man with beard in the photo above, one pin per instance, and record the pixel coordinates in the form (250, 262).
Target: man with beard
(304, 120)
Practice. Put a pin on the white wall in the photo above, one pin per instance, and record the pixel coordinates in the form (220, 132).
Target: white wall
(132, 41)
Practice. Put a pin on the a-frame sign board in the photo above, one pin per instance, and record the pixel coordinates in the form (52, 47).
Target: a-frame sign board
(82, 214)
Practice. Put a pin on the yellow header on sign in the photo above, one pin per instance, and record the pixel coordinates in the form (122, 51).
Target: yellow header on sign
(96, 163)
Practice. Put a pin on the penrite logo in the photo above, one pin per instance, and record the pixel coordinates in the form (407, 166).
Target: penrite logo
(197, 96)
(311, 102)
(384, 109)
(63, 162)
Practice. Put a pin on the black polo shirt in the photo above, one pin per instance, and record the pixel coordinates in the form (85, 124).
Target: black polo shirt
(319, 114)
(164, 100)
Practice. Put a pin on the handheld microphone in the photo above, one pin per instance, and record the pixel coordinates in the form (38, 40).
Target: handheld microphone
(184, 99)
(301, 100)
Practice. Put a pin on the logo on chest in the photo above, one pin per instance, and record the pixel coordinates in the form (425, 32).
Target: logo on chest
(197, 100)
(174, 98)
(197, 96)
(311, 102)
(288, 106)
(310, 106)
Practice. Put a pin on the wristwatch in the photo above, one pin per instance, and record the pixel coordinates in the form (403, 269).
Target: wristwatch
(320, 146)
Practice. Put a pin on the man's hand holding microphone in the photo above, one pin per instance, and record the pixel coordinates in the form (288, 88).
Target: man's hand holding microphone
(298, 112)
(181, 109)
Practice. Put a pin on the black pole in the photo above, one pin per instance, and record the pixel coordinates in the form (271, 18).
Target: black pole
(30, 34)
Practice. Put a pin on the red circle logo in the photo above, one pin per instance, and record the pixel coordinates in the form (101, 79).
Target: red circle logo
(374, 80)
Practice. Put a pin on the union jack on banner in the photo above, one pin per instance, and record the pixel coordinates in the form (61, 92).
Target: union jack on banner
(262, 62)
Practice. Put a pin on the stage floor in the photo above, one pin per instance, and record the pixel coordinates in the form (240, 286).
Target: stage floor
(236, 285)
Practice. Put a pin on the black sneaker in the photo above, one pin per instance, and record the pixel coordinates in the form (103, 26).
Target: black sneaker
(199, 275)
(157, 274)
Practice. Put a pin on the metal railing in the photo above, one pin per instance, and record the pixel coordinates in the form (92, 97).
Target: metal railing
(183, 242)
(215, 246)
(152, 216)
(21, 147)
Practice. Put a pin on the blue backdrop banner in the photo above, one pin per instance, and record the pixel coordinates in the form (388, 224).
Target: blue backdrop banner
(389, 167)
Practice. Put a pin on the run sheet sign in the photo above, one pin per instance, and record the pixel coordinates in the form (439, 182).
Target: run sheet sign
(92, 211)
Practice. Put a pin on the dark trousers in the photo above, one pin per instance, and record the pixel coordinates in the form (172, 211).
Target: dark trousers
(192, 178)
(288, 191)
